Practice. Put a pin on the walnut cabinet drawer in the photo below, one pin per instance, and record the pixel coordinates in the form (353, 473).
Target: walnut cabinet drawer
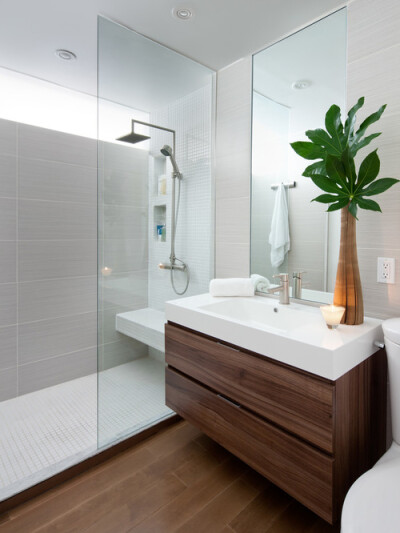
(296, 467)
(298, 402)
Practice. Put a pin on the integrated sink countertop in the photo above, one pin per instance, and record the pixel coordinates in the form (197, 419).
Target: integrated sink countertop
(294, 334)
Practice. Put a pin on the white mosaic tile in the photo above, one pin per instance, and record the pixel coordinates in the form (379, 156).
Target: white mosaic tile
(46, 431)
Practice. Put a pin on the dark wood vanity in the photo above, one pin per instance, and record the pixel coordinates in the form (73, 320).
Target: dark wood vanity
(309, 435)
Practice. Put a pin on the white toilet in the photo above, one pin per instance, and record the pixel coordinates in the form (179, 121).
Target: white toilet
(372, 505)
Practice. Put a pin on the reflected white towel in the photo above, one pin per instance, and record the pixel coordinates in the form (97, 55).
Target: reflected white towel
(260, 283)
(279, 237)
(232, 287)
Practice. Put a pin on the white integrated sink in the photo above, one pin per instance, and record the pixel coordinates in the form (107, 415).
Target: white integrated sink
(295, 334)
(262, 313)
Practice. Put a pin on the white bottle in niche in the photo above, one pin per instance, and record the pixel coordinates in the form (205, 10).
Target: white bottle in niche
(162, 185)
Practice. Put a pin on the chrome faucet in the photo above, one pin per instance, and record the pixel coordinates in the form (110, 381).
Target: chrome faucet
(283, 289)
(297, 283)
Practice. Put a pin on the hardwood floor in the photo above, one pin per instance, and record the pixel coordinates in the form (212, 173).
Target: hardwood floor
(178, 480)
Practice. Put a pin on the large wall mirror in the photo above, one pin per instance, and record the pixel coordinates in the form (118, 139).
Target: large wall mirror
(295, 81)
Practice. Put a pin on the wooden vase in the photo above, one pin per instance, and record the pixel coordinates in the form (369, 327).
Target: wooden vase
(348, 291)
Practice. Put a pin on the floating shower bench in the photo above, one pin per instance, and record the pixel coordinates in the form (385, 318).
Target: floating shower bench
(145, 325)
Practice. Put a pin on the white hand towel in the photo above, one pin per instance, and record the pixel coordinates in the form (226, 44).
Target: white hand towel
(260, 282)
(232, 287)
(279, 237)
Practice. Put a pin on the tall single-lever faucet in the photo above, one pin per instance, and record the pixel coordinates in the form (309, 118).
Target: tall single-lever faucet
(283, 289)
(297, 283)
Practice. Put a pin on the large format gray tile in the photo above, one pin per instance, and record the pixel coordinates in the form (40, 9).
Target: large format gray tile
(38, 300)
(125, 222)
(118, 157)
(39, 179)
(56, 259)
(8, 347)
(8, 219)
(8, 137)
(125, 187)
(376, 77)
(232, 260)
(48, 338)
(233, 220)
(372, 26)
(8, 259)
(35, 376)
(8, 176)
(40, 143)
(41, 220)
(126, 290)
(126, 255)
(8, 384)
(8, 304)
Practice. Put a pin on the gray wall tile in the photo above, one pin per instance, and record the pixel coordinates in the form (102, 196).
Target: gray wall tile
(50, 180)
(233, 147)
(8, 384)
(8, 219)
(8, 259)
(40, 143)
(126, 255)
(118, 157)
(125, 188)
(8, 137)
(126, 290)
(8, 176)
(8, 304)
(56, 259)
(8, 347)
(123, 222)
(56, 220)
(39, 300)
(49, 338)
(35, 376)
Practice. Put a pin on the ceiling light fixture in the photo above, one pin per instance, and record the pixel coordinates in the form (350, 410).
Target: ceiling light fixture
(65, 55)
(301, 84)
(182, 13)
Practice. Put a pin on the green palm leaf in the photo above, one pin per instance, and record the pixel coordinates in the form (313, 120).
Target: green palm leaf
(335, 173)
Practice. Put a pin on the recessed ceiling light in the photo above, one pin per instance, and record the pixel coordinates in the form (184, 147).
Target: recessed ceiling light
(182, 13)
(301, 84)
(65, 55)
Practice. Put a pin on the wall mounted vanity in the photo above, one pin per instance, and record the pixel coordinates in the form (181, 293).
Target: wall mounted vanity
(302, 405)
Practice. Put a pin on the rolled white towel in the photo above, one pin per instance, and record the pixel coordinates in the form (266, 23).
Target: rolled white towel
(260, 282)
(232, 287)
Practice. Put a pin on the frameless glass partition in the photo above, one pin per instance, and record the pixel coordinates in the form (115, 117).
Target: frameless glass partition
(295, 81)
(155, 196)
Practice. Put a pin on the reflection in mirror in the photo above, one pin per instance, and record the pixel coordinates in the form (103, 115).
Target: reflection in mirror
(295, 81)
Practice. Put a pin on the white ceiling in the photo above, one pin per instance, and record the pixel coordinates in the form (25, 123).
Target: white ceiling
(220, 32)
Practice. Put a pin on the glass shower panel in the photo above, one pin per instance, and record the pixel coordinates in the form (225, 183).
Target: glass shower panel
(156, 97)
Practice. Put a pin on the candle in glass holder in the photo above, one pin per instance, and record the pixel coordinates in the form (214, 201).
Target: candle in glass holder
(332, 314)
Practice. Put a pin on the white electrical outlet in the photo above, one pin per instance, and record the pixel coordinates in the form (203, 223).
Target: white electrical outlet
(386, 270)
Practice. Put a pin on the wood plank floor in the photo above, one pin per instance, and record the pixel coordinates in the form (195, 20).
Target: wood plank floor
(179, 480)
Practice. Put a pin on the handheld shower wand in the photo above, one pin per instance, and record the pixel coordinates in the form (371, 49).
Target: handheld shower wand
(167, 151)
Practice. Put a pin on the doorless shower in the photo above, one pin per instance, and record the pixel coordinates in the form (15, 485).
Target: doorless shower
(167, 151)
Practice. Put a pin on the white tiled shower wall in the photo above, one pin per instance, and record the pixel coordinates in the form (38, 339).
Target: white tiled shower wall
(191, 118)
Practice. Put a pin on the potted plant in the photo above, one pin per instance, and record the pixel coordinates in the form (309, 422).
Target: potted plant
(344, 188)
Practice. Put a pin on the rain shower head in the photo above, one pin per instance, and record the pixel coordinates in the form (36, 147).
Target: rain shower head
(133, 138)
(167, 151)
